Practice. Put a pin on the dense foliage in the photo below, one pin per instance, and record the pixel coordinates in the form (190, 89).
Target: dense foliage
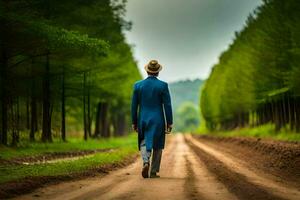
(186, 90)
(185, 98)
(65, 65)
(187, 117)
(257, 80)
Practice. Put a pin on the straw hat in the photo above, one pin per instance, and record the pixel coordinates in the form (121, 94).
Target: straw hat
(153, 67)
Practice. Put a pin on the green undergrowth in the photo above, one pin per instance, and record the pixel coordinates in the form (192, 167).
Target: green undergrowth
(73, 144)
(265, 131)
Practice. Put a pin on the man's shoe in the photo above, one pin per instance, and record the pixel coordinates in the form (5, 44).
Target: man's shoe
(145, 171)
(154, 175)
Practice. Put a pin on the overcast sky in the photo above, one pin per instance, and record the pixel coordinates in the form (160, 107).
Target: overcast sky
(185, 36)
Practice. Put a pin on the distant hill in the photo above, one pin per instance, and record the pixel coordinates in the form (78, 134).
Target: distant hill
(185, 101)
(186, 90)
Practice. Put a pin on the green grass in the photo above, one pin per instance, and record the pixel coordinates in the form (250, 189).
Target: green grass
(9, 173)
(73, 144)
(126, 146)
(264, 131)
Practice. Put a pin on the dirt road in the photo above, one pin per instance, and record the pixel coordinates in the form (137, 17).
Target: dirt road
(191, 169)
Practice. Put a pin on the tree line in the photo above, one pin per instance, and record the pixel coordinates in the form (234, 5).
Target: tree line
(185, 104)
(257, 80)
(64, 65)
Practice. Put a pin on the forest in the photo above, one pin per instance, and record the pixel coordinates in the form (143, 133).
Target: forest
(257, 80)
(65, 67)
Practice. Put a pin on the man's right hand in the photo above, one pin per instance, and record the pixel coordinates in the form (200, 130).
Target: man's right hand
(135, 127)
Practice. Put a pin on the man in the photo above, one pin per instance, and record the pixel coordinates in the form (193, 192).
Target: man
(151, 112)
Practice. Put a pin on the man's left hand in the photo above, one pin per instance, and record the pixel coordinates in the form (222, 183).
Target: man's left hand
(134, 127)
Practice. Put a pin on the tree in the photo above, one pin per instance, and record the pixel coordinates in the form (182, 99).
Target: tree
(255, 81)
(61, 59)
(187, 116)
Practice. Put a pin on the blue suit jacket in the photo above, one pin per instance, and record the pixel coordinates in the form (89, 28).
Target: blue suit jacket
(149, 98)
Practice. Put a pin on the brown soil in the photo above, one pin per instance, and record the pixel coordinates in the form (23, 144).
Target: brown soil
(235, 182)
(279, 158)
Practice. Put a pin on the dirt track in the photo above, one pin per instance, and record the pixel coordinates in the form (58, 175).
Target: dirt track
(191, 169)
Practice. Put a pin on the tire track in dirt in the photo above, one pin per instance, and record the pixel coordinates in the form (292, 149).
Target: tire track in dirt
(190, 183)
(279, 160)
(204, 182)
(236, 179)
(275, 160)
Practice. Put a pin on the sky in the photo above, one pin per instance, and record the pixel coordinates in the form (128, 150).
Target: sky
(185, 36)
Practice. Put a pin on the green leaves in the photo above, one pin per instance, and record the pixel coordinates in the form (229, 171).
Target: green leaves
(55, 37)
(260, 67)
(68, 56)
(61, 38)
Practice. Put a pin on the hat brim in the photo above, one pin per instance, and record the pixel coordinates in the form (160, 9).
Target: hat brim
(153, 71)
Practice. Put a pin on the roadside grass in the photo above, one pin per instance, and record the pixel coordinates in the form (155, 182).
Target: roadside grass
(266, 131)
(16, 172)
(125, 147)
(73, 144)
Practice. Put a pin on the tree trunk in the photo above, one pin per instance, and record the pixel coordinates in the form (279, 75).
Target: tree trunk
(280, 115)
(252, 115)
(4, 98)
(89, 118)
(46, 130)
(27, 113)
(4, 35)
(289, 112)
(115, 124)
(63, 109)
(297, 113)
(120, 124)
(33, 106)
(104, 120)
(102, 123)
(33, 127)
(13, 125)
(18, 121)
(284, 112)
(84, 107)
(98, 122)
(15, 118)
(294, 115)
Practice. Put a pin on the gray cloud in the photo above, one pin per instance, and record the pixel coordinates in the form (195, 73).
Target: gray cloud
(186, 36)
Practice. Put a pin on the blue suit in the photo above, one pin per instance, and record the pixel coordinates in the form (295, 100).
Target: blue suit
(149, 97)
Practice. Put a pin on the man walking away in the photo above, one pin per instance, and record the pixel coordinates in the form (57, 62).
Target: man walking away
(151, 113)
